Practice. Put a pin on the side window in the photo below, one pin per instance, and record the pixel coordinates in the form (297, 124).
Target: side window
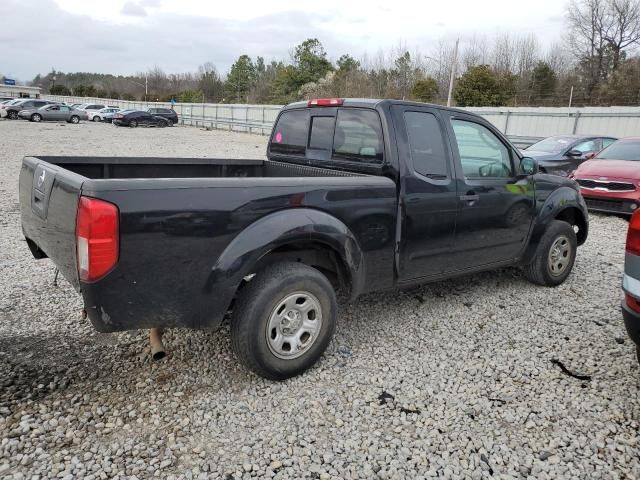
(482, 154)
(358, 136)
(321, 133)
(290, 133)
(64, 109)
(585, 147)
(607, 141)
(425, 144)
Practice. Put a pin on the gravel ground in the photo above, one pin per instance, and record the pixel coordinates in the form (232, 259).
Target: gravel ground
(452, 380)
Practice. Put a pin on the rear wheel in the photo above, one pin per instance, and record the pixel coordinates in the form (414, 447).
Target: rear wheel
(133, 123)
(75, 119)
(555, 255)
(96, 118)
(36, 117)
(284, 320)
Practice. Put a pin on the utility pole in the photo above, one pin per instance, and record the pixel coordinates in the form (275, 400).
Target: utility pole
(453, 72)
(146, 85)
(571, 96)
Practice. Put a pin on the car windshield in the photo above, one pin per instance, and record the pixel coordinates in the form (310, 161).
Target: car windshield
(621, 150)
(552, 144)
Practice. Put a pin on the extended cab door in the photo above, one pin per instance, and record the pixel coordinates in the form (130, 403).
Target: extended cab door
(496, 205)
(428, 193)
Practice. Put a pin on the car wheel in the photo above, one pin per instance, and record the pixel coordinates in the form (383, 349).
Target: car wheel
(96, 118)
(555, 255)
(283, 320)
(162, 124)
(13, 115)
(75, 119)
(36, 117)
(133, 123)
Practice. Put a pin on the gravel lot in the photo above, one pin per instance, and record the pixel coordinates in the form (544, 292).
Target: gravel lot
(452, 380)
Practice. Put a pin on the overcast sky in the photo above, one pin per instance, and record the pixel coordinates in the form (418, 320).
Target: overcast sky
(128, 36)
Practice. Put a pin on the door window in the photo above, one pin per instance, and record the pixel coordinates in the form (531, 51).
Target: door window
(585, 147)
(425, 144)
(607, 141)
(482, 154)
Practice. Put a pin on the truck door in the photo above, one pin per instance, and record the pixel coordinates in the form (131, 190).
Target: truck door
(428, 193)
(496, 205)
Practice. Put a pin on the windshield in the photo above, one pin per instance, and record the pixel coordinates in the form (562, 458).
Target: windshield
(552, 144)
(621, 150)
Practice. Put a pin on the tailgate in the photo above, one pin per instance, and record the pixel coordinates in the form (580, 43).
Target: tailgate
(48, 204)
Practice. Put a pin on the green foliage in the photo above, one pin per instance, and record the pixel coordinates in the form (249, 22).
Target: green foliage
(425, 90)
(481, 86)
(310, 61)
(189, 96)
(59, 90)
(240, 79)
(543, 80)
(346, 63)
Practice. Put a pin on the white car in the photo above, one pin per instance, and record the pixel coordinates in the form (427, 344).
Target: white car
(98, 115)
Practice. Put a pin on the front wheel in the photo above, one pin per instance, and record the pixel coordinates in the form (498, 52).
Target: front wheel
(284, 320)
(36, 117)
(75, 119)
(555, 255)
(96, 118)
(133, 123)
(13, 115)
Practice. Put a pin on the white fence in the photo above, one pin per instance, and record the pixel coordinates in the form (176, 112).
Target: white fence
(513, 121)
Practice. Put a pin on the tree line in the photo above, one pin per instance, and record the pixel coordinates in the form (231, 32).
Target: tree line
(596, 63)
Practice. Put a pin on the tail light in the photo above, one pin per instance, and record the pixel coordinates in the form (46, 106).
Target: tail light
(632, 303)
(326, 102)
(633, 234)
(97, 233)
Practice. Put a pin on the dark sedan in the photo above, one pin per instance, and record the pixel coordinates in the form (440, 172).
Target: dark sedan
(135, 118)
(562, 154)
(167, 113)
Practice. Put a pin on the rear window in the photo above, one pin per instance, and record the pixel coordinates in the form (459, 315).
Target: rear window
(290, 133)
(358, 136)
(321, 133)
(426, 144)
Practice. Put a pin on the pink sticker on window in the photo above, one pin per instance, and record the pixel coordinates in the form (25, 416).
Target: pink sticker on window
(278, 138)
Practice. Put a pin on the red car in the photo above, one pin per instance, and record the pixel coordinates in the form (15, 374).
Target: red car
(610, 182)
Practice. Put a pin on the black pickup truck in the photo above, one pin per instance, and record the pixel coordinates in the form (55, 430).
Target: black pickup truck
(355, 196)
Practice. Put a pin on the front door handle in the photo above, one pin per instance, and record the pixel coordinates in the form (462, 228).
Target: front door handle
(470, 198)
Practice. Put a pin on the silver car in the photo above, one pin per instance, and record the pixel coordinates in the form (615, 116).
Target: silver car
(54, 113)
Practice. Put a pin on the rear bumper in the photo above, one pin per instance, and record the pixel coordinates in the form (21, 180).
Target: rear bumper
(632, 323)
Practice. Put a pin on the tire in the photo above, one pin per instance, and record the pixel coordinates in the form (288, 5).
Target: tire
(555, 255)
(74, 119)
(162, 124)
(36, 117)
(13, 115)
(133, 123)
(95, 118)
(259, 333)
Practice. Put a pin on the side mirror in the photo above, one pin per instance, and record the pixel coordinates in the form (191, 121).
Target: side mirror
(574, 153)
(528, 166)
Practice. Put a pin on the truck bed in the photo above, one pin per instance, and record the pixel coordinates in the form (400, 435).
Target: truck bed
(181, 217)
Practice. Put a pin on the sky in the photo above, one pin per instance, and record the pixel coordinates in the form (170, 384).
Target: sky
(129, 36)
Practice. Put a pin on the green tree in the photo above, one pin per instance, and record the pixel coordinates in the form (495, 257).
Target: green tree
(346, 63)
(310, 61)
(403, 70)
(210, 83)
(481, 86)
(543, 80)
(190, 96)
(91, 91)
(80, 90)
(59, 90)
(425, 89)
(240, 79)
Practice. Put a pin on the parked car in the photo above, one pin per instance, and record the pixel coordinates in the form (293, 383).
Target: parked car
(167, 113)
(91, 106)
(11, 110)
(76, 105)
(98, 115)
(610, 182)
(631, 282)
(53, 113)
(135, 118)
(4, 99)
(561, 155)
(354, 196)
